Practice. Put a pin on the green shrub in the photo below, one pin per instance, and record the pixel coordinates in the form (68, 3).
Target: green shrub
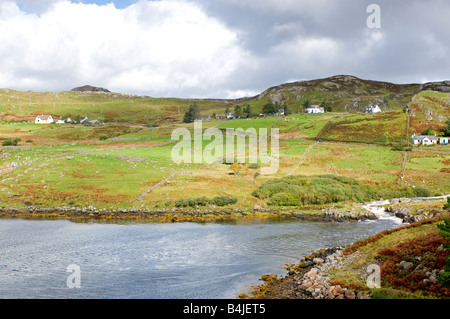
(447, 205)
(11, 142)
(444, 278)
(324, 189)
(421, 192)
(7, 143)
(224, 200)
(103, 137)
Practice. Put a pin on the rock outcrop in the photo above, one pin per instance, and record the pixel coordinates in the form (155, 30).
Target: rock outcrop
(89, 88)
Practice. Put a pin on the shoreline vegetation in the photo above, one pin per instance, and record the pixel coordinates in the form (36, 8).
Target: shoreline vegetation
(410, 258)
(407, 209)
(182, 215)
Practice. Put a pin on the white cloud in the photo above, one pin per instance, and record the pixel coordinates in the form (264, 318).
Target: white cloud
(221, 48)
(157, 47)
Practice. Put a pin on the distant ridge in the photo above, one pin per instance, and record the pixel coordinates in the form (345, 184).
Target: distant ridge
(89, 88)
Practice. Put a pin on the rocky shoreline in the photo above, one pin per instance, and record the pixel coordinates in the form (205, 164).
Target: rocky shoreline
(177, 214)
(308, 280)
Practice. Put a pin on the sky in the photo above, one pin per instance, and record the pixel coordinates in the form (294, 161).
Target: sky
(218, 48)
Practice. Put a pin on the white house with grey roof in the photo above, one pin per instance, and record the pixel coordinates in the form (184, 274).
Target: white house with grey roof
(314, 109)
(424, 139)
(44, 119)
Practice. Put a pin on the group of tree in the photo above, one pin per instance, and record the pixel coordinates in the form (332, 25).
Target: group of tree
(275, 107)
(324, 104)
(192, 113)
(431, 131)
(241, 111)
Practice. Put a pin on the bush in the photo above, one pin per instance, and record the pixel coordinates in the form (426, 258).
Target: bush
(421, 192)
(324, 189)
(444, 279)
(7, 143)
(426, 247)
(103, 137)
(224, 200)
(447, 205)
(11, 142)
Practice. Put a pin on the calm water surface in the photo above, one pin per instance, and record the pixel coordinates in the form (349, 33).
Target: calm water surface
(155, 260)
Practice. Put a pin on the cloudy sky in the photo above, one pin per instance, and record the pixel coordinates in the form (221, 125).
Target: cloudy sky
(217, 48)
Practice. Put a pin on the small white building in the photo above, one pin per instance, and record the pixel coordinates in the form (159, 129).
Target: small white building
(314, 109)
(60, 120)
(424, 139)
(444, 140)
(230, 115)
(280, 112)
(372, 109)
(376, 109)
(44, 119)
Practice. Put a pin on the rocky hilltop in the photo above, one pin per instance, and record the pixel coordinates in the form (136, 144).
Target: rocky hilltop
(349, 93)
(343, 93)
(89, 88)
(442, 86)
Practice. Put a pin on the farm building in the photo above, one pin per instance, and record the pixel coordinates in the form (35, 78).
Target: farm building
(44, 119)
(372, 109)
(444, 140)
(280, 112)
(315, 109)
(204, 117)
(424, 139)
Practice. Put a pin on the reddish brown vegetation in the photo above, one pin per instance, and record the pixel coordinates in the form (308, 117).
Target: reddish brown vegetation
(354, 247)
(425, 254)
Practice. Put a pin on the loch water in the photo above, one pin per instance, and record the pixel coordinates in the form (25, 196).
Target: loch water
(147, 260)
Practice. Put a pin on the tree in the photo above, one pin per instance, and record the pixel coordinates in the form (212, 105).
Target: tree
(227, 110)
(269, 108)
(287, 110)
(447, 129)
(428, 131)
(247, 111)
(325, 106)
(444, 279)
(192, 114)
(237, 111)
(307, 103)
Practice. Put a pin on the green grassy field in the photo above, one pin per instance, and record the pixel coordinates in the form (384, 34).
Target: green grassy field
(70, 166)
(114, 164)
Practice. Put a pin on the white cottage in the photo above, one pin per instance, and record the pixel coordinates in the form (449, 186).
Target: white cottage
(444, 140)
(44, 119)
(424, 139)
(314, 109)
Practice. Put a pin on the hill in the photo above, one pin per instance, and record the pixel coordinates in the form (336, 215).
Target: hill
(89, 88)
(343, 93)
